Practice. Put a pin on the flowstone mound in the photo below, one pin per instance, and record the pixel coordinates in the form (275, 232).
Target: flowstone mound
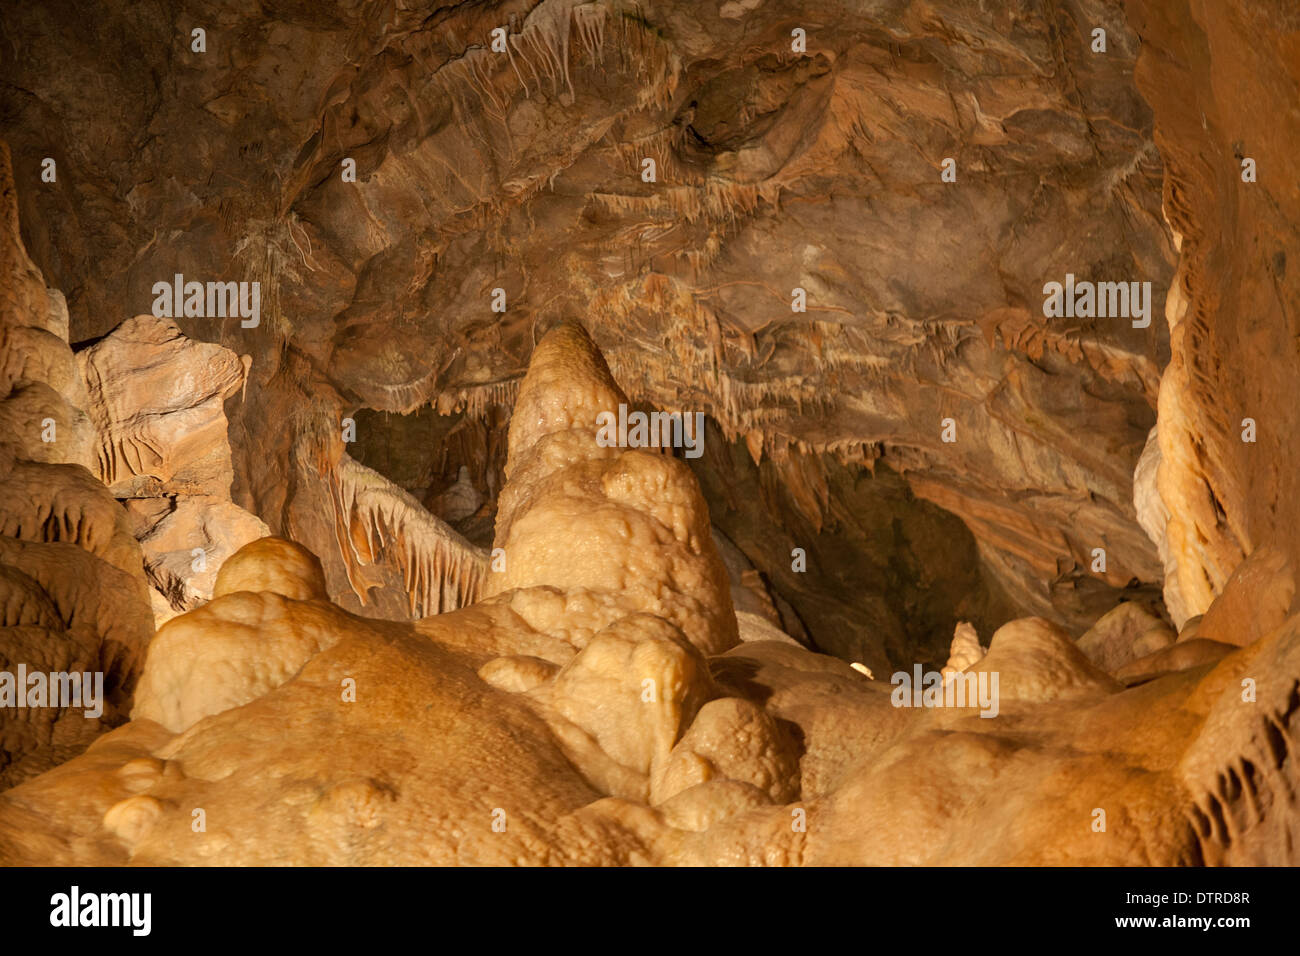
(576, 718)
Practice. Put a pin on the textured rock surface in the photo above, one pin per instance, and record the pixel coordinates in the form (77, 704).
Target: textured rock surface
(482, 636)
(626, 526)
(1223, 81)
(521, 171)
(156, 400)
(185, 540)
(72, 590)
(560, 722)
(1123, 635)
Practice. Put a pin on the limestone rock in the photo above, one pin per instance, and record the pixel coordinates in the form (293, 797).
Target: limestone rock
(1037, 661)
(172, 530)
(76, 616)
(64, 503)
(754, 627)
(1256, 599)
(239, 646)
(39, 738)
(519, 730)
(46, 426)
(633, 690)
(628, 523)
(923, 447)
(1123, 635)
(156, 399)
(924, 297)
(460, 500)
(966, 649)
(732, 739)
(1176, 657)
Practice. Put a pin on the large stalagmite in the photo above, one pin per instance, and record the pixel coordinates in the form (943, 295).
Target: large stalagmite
(627, 527)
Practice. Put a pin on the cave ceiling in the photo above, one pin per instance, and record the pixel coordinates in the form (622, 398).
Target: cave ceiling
(518, 179)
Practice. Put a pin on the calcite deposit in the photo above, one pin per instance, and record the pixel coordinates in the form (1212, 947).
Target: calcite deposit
(599, 709)
(964, 557)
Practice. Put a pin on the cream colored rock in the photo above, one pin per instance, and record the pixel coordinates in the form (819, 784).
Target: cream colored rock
(629, 523)
(753, 627)
(275, 565)
(72, 591)
(965, 651)
(1153, 516)
(1124, 634)
(633, 690)
(253, 636)
(732, 739)
(156, 400)
(707, 804)
(518, 673)
(1036, 661)
(173, 530)
(373, 518)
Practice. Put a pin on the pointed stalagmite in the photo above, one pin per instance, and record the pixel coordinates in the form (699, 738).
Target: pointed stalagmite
(627, 523)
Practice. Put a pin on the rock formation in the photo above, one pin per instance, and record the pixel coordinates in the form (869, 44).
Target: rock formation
(600, 710)
(72, 587)
(520, 170)
(156, 401)
(365, 579)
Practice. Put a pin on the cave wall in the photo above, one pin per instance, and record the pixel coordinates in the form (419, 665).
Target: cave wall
(520, 171)
(1223, 81)
(873, 573)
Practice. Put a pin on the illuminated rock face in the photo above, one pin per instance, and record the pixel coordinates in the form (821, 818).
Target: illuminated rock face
(567, 718)
(1226, 443)
(822, 169)
(72, 592)
(156, 401)
(838, 255)
(625, 525)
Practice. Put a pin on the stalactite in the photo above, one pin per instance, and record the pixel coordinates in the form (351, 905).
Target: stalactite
(714, 201)
(477, 400)
(590, 20)
(662, 146)
(543, 46)
(441, 571)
